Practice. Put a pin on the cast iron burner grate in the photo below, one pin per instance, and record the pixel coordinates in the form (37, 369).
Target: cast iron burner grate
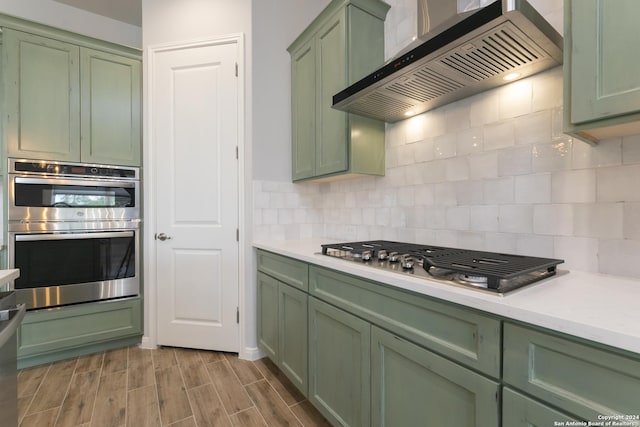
(494, 271)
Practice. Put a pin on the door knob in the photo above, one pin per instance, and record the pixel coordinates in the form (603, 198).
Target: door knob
(162, 237)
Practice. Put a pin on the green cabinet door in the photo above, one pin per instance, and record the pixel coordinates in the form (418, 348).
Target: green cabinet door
(606, 81)
(520, 411)
(41, 97)
(331, 144)
(111, 108)
(412, 386)
(601, 69)
(303, 111)
(293, 335)
(339, 352)
(268, 316)
(282, 328)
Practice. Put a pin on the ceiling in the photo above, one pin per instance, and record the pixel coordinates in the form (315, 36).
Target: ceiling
(129, 11)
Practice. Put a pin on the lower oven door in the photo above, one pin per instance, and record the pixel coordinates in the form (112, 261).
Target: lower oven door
(73, 267)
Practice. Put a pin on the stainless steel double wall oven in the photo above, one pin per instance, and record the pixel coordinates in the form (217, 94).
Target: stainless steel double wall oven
(74, 232)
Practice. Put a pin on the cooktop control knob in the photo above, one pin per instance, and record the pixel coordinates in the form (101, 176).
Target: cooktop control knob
(382, 255)
(366, 256)
(394, 257)
(406, 262)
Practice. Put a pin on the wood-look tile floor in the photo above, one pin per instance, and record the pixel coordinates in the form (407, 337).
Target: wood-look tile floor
(163, 387)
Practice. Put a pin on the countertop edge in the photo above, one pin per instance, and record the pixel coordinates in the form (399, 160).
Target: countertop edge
(572, 303)
(9, 275)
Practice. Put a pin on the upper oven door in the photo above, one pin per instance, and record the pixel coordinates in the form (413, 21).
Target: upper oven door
(72, 199)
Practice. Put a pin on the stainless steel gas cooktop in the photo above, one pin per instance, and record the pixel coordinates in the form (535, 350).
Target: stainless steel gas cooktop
(495, 272)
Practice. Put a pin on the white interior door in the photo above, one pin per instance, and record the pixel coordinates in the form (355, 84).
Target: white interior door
(194, 121)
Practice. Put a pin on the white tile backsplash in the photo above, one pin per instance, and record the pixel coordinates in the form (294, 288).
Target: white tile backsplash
(575, 186)
(631, 218)
(530, 189)
(492, 172)
(602, 220)
(515, 99)
(554, 220)
(618, 184)
(631, 149)
(515, 219)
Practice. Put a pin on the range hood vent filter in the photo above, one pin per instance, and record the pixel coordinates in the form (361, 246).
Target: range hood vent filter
(457, 63)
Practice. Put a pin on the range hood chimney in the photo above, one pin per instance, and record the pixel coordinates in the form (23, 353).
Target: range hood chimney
(459, 55)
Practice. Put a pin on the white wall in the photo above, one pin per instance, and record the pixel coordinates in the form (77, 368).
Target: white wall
(69, 18)
(276, 24)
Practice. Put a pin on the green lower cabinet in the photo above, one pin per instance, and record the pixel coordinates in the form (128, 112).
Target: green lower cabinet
(293, 335)
(55, 334)
(574, 376)
(268, 316)
(282, 328)
(411, 386)
(339, 365)
(520, 411)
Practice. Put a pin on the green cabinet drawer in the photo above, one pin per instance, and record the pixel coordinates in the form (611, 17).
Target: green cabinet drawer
(460, 334)
(520, 411)
(56, 330)
(287, 270)
(339, 365)
(411, 386)
(576, 377)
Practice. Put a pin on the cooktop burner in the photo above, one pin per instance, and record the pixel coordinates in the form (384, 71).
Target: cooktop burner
(492, 271)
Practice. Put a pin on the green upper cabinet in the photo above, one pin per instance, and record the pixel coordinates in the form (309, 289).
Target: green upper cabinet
(343, 44)
(66, 100)
(111, 105)
(41, 97)
(601, 69)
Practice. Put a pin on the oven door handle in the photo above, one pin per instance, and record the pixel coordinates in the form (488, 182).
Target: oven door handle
(71, 236)
(85, 182)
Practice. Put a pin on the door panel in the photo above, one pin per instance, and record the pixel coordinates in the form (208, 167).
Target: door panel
(268, 316)
(111, 106)
(42, 97)
(604, 34)
(339, 351)
(195, 138)
(412, 386)
(303, 103)
(292, 307)
(331, 147)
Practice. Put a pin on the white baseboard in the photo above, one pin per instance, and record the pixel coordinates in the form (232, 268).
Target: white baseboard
(250, 353)
(147, 344)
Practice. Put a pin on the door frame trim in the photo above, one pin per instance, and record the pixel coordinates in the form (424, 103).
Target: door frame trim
(150, 337)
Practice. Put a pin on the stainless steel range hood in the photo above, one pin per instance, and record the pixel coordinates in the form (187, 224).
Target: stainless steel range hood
(459, 56)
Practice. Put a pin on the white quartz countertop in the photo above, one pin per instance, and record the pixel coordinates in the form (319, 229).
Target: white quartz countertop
(8, 275)
(595, 307)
